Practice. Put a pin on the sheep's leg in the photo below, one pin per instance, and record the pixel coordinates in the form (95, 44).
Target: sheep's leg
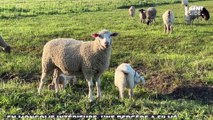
(41, 82)
(168, 28)
(130, 93)
(90, 95)
(171, 28)
(165, 28)
(121, 92)
(98, 82)
(56, 80)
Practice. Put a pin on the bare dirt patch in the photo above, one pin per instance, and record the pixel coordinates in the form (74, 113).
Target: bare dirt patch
(169, 86)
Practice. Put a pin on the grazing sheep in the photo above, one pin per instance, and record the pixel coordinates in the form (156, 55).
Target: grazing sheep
(72, 57)
(185, 2)
(142, 15)
(132, 11)
(4, 45)
(63, 80)
(168, 20)
(148, 15)
(194, 12)
(126, 77)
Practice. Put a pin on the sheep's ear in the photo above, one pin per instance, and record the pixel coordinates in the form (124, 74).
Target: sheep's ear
(94, 35)
(114, 34)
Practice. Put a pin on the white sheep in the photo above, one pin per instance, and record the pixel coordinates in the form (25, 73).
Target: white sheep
(148, 16)
(126, 77)
(168, 20)
(4, 45)
(62, 81)
(194, 12)
(185, 2)
(132, 11)
(72, 57)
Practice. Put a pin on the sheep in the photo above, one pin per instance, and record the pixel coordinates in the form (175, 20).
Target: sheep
(185, 2)
(148, 16)
(194, 12)
(132, 11)
(126, 77)
(142, 15)
(72, 57)
(4, 45)
(63, 80)
(168, 19)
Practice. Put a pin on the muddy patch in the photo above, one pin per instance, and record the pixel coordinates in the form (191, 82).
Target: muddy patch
(168, 86)
(28, 77)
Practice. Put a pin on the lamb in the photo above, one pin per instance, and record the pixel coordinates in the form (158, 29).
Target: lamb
(194, 12)
(63, 80)
(72, 57)
(185, 2)
(168, 19)
(126, 77)
(132, 11)
(4, 45)
(148, 16)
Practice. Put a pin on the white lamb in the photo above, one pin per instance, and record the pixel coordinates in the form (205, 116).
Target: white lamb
(168, 20)
(126, 77)
(132, 11)
(72, 57)
(63, 81)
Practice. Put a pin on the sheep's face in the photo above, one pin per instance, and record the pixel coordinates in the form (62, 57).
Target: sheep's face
(104, 38)
(137, 78)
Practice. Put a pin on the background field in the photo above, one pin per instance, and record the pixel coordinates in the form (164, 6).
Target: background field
(178, 67)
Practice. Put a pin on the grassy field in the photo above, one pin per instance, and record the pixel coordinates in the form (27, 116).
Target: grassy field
(178, 67)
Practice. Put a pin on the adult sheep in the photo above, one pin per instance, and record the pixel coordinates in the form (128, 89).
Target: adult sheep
(4, 45)
(72, 57)
(132, 11)
(168, 20)
(148, 16)
(194, 12)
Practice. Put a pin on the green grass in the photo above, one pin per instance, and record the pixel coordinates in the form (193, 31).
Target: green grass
(185, 55)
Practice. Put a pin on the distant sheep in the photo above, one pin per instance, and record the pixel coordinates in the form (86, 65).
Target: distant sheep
(148, 16)
(185, 2)
(194, 12)
(126, 77)
(168, 20)
(72, 57)
(4, 45)
(63, 81)
(132, 11)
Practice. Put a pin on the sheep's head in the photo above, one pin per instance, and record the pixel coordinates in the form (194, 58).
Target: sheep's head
(143, 13)
(104, 38)
(205, 14)
(138, 78)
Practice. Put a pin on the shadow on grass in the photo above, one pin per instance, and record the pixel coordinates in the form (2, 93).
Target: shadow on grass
(201, 93)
